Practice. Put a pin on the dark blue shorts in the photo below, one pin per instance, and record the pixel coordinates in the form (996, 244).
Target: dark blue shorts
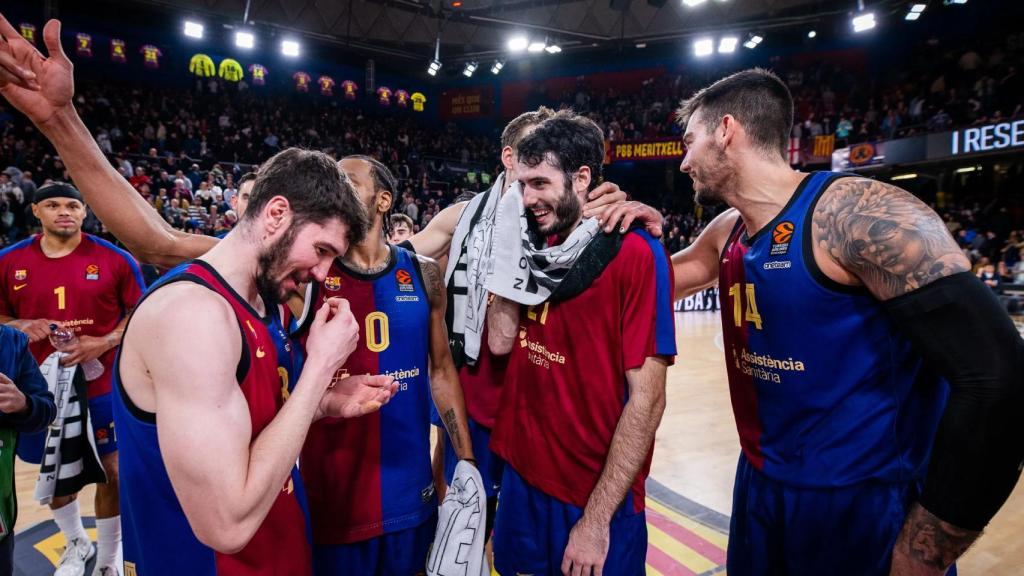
(402, 553)
(532, 531)
(489, 464)
(779, 529)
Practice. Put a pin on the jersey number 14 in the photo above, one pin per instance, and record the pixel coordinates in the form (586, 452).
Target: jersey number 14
(750, 314)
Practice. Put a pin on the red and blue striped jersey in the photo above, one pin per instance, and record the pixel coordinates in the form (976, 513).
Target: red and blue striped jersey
(825, 391)
(370, 476)
(157, 537)
(566, 383)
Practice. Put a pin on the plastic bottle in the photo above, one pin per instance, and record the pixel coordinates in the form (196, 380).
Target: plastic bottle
(64, 338)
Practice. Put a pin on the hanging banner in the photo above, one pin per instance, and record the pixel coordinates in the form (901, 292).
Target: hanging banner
(83, 45)
(301, 81)
(259, 74)
(326, 85)
(384, 96)
(118, 51)
(202, 65)
(151, 56)
(467, 103)
(349, 89)
(230, 70)
(401, 98)
(645, 150)
(418, 100)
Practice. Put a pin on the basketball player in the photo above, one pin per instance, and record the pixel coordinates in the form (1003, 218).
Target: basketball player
(240, 201)
(845, 301)
(369, 479)
(585, 388)
(64, 276)
(212, 485)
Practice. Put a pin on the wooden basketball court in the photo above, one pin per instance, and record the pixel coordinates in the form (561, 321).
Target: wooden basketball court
(692, 475)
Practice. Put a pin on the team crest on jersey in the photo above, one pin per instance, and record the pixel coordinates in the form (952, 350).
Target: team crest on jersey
(102, 437)
(92, 272)
(404, 281)
(782, 234)
(333, 283)
(20, 274)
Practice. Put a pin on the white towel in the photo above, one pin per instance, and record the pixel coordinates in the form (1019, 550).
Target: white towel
(525, 269)
(462, 519)
(65, 434)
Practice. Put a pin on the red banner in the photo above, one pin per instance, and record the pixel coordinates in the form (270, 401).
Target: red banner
(642, 150)
(467, 103)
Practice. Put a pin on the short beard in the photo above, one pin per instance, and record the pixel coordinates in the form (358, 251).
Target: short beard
(566, 211)
(270, 264)
(63, 234)
(714, 177)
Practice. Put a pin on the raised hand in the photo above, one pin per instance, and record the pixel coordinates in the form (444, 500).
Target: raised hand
(609, 205)
(332, 340)
(37, 86)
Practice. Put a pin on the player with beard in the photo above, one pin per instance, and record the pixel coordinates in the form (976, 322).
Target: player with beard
(849, 316)
(369, 479)
(585, 387)
(211, 486)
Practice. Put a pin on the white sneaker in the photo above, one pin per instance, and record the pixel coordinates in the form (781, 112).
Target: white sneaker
(108, 570)
(77, 553)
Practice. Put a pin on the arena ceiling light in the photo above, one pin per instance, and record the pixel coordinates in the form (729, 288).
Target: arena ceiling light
(910, 176)
(434, 67)
(193, 29)
(812, 34)
(469, 69)
(703, 47)
(553, 49)
(518, 43)
(915, 12)
(863, 22)
(537, 46)
(245, 40)
(693, 3)
(290, 48)
(752, 41)
(727, 44)
(497, 66)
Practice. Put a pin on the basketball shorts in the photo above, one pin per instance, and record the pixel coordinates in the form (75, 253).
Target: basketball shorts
(101, 416)
(401, 553)
(532, 531)
(779, 529)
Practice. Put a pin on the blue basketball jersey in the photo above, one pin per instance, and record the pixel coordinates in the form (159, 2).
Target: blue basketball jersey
(157, 536)
(825, 391)
(370, 476)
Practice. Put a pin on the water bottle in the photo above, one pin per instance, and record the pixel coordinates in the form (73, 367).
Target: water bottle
(62, 339)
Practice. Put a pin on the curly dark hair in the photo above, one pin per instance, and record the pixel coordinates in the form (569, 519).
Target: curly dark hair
(568, 141)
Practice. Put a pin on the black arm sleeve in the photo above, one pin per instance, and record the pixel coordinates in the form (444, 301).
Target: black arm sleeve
(959, 328)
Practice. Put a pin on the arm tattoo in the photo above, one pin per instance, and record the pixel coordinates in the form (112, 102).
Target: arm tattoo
(451, 423)
(432, 279)
(933, 542)
(885, 236)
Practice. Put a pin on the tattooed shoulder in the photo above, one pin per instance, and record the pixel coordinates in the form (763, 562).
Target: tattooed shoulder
(885, 236)
(432, 279)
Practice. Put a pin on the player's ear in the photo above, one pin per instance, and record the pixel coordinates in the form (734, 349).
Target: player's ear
(508, 158)
(278, 213)
(582, 181)
(384, 201)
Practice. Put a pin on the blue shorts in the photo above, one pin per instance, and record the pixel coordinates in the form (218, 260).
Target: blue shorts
(101, 416)
(402, 553)
(532, 531)
(488, 463)
(779, 529)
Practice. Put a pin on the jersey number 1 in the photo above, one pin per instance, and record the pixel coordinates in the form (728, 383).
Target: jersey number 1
(738, 315)
(59, 291)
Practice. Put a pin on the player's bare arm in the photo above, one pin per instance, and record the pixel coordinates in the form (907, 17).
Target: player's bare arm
(632, 441)
(46, 99)
(502, 324)
(884, 237)
(696, 266)
(92, 347)
(225, 479)
(434, 240)
(444, 378)
(36, 328)
(900, 249)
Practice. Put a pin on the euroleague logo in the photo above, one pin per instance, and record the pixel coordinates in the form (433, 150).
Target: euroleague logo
(404, 280)
(782, 235)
